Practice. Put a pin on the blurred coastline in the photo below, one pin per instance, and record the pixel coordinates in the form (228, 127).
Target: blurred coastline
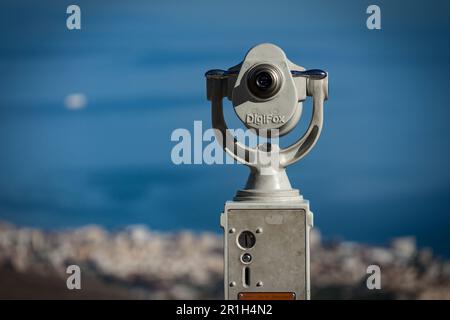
(86, 116)
(138, 263)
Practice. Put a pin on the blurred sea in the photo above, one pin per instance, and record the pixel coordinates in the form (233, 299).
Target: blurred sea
(380, 169)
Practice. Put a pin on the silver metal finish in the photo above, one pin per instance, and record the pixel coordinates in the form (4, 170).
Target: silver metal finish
(280, 256)
(266, 227)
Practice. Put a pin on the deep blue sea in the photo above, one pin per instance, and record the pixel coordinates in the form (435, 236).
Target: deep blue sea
(380, 169)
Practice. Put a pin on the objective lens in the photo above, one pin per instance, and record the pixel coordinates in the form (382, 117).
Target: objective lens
(264, 81)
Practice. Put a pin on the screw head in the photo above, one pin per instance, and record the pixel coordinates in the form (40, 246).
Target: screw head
(246, 258)
(232, 284)
(259, 284)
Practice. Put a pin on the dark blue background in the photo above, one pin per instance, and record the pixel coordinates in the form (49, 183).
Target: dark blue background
(380, 169)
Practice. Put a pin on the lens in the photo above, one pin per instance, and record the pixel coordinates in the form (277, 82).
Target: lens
(264, 81)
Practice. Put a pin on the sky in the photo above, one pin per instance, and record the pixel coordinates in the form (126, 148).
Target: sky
(86, 115)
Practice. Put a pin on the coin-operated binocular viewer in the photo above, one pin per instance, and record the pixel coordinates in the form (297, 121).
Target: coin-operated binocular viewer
(266, 226)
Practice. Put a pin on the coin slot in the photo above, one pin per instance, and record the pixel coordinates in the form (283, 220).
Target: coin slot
(246, 276)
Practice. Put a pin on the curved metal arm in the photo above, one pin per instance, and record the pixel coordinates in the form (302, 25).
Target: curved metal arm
(319, 91)
(226, 140)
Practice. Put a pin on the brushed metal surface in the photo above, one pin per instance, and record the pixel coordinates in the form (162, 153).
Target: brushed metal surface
(278, 257)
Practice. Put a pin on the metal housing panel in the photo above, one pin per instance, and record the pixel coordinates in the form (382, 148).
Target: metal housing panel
(279, 256)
